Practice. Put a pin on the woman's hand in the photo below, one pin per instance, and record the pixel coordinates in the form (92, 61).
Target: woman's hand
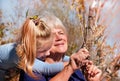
(93, 73)
(77, 59)
(83, 54)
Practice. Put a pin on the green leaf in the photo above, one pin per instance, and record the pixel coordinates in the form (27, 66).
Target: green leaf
(27, 13)
(34, 17)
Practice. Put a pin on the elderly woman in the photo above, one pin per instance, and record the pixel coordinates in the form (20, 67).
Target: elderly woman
(57, 52)
(71, 71)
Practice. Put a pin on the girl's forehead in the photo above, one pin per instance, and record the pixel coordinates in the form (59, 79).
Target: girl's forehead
(45, 46)
(44, 43)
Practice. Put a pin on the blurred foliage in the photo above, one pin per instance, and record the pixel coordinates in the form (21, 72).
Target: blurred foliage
(1, 30)
(84, 30)
(95, 39)
(2, 26)
(12, 74)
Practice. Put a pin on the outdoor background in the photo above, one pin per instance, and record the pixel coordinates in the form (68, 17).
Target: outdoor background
(93, 24)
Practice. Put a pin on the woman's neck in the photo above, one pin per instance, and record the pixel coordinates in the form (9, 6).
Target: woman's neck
(52, 58)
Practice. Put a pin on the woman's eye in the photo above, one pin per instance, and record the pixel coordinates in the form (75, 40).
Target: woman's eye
(61, 32)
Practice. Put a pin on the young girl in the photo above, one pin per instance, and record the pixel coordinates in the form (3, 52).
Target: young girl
(35, 40)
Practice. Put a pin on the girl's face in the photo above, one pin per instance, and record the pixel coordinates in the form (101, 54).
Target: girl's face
(43, 47)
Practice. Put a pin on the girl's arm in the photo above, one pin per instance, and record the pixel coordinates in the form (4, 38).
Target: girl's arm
(66, 58)
(46, 68)
(50, 69)
(9, 58)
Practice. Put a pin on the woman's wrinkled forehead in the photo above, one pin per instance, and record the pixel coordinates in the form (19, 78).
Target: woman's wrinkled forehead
(62, 29)
(53, 22)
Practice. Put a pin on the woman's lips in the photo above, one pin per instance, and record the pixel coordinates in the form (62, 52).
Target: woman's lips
(58, 44)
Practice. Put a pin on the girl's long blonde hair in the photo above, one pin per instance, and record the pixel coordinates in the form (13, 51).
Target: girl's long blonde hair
(26, 48)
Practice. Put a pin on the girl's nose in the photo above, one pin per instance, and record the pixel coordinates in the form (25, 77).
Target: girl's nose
(47, 53)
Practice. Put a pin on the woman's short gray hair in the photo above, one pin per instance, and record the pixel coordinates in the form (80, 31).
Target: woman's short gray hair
(52, 21)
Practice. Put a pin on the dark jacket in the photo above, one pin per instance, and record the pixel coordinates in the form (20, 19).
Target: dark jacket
(76, 76)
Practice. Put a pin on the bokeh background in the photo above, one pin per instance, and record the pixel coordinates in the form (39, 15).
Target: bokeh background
(100, 34)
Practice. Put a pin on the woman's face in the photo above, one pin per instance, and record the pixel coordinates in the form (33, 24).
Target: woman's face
(60, 41)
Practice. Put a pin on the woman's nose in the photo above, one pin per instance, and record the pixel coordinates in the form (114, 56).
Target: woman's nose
(57, 37)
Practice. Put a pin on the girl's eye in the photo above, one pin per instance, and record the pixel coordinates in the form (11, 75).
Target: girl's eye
(61, 32)
(42, 51)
